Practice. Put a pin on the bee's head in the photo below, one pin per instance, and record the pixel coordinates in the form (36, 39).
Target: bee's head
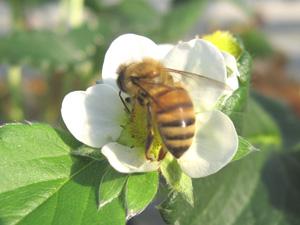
(130, 75)
(121, 80)
(126, 79)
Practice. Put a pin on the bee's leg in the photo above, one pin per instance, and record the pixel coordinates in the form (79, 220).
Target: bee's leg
(124, 103)
(150, 134)
(140, 100)
(149, 140)
(162, 154)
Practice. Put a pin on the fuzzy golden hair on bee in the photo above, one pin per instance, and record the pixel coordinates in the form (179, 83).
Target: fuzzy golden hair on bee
(169, 106)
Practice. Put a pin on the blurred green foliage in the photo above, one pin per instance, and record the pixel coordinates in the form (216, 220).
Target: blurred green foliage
(257, 43)
(68, 58)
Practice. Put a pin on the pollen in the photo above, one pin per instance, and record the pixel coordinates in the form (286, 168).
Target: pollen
(138, 127)
(136, 130)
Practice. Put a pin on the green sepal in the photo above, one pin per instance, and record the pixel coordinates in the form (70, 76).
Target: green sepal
(245, 148)
(176, 179)
(140, 190)
(111, 186)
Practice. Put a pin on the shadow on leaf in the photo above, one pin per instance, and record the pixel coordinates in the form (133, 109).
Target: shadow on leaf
(281, 178)
(84, 171)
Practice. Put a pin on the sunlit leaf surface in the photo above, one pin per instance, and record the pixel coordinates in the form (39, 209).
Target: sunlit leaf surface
(42, 184)
(140, 191)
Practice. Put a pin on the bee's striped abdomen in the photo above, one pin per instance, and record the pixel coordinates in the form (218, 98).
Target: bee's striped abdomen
(175, 117)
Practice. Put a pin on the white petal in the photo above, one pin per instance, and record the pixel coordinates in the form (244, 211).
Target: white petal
(205, 93)
(214, 146)
(203, 58)
(127, 160)
(232, 80)
(93, 116)
(163, 50)
(125, 49)
(197, 56)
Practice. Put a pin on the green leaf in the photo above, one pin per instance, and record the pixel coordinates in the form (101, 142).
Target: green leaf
(140, 191)
(86, 151)
(287, 120)
(259, 189)
(41, 183)
(131, 16)
(112, 214)
(217, 197)
(235, 107)
(240, 194)
(280, 178)
(111, 186)
(245, 148)
(179, 20)
(176, 179)
(257, 43)
(244, 67)
(48, 49)
(260, 128)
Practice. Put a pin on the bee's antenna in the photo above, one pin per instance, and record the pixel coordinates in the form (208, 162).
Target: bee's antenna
(124, 103)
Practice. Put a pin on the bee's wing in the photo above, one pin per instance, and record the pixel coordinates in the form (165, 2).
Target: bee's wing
(147, 85)
(204, 91)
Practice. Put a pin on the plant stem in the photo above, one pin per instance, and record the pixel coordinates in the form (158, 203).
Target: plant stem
(64, 12)
(76, 12)
(72, 12)
(17, 12)
(15, 88)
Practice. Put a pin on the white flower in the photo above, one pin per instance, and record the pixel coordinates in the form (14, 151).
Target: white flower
(95, 116)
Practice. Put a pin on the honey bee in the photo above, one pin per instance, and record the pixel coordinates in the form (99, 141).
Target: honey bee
(170, 108)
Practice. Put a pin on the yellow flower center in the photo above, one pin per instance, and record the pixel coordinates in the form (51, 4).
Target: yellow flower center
(136, 130)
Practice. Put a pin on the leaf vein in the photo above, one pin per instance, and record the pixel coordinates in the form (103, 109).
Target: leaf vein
(55, 191)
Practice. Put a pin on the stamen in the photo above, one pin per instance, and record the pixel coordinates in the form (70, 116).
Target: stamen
(136, 131)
